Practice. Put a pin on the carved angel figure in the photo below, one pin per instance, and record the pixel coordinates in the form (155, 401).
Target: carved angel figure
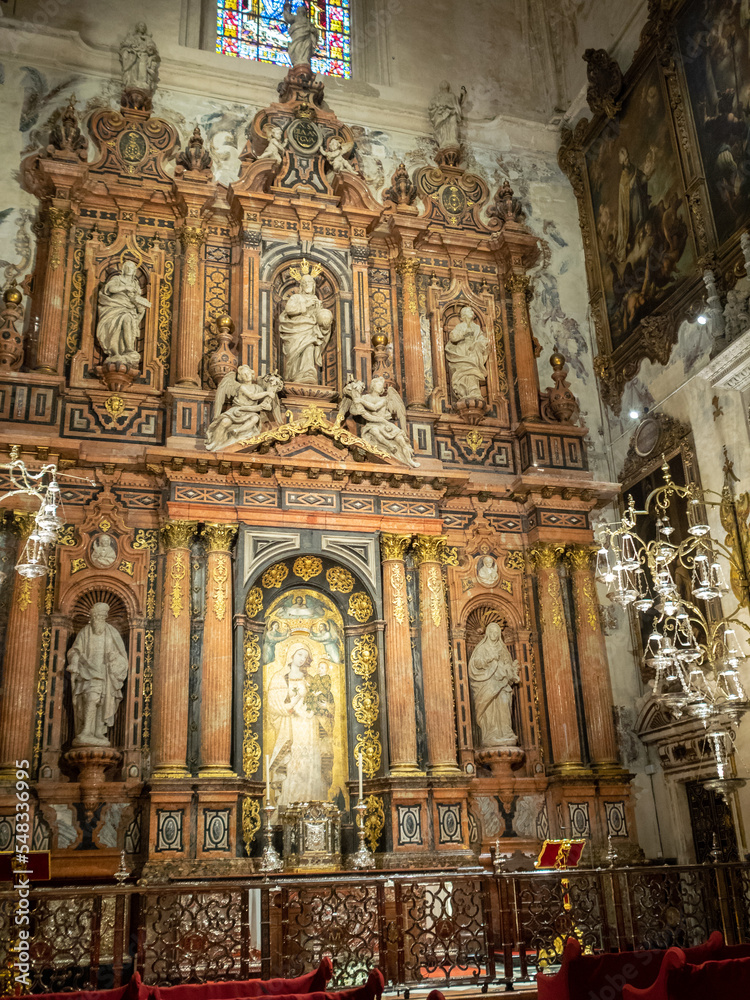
(337, 153)
(378, 408)
(255, 401)
(274, 151)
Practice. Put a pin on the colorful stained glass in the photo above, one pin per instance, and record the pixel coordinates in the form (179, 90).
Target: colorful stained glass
(255, 29)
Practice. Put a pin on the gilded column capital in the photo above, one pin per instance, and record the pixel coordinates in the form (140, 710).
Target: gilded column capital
(22, 523)
(580, 557)
(429, 549)
(408, 266)
(546, 555)
(60, 218)
(192, 236)
(177, 534)
(394, 546)
(517, 282)
(219, 537)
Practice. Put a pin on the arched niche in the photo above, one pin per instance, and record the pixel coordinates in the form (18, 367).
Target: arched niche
(315, 602)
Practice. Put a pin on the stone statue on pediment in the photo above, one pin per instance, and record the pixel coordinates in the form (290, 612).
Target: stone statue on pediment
(383, 415)
(303, 35)
(98, 668)
(139, 60)
(254, 401)
(446, 115)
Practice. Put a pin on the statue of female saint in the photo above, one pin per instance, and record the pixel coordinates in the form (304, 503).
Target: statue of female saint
(492, 674)
(302, 713)
(303, 35)
(305, 329)
(121, 309)
(139, 59)
(446, 115)
(466, 355)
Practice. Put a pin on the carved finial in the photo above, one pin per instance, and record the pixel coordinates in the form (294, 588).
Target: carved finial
(402, 191)
(222, 360)
(506, 207)
(559, 403)
(605, 82)
(65, 135)
(195, 158)
(11, 339)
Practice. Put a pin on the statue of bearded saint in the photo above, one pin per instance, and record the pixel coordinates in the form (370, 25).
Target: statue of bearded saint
(98, 667)
(121, 309)
(492, 675)
(305, 329)
(303, 35)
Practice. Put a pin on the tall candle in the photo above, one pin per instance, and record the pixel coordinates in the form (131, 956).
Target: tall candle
(360, 775)
(268, 783)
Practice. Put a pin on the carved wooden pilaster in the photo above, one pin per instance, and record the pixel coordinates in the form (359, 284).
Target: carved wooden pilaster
(189, 346)
(408, 268)
(50, 321)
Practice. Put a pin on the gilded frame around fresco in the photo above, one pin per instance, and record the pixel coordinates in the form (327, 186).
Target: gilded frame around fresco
(655, 334)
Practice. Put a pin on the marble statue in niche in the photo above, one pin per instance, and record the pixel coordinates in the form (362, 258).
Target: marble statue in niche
(304, 328)
(103, 551)
(492, 676)
(378, 408)
(487, 572)
(466, 356)
(121, 310)
(303, 35)
(139, 59)
(98, 667)
(446, 115)
(256, 400)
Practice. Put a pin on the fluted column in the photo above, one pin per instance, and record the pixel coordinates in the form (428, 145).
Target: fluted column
(436, 663)
(190, 324)
(50, 320)
(596, 684)
(172, 674)
(523, 343)
(558, 668)
(216, 681)
(21, 664)
(399, 672)
(411, 332)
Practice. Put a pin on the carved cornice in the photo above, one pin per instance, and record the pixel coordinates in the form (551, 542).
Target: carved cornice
(428, 549)
(219, 537)
(178, 534)
(394, 546)
(546, 555)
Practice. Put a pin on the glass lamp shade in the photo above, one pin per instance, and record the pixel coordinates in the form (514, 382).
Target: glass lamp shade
(698, 526)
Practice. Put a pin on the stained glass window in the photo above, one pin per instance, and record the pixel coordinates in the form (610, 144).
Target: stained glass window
(255, 29)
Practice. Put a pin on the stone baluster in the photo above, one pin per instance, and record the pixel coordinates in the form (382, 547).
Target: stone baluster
(216, 681)
(596, 684)
(190, 324)
(172, 674)
(523, 342)
(51, 340)
(558, 668)
(399, 672)
(411, 333)
(436, 661)
(21, 664)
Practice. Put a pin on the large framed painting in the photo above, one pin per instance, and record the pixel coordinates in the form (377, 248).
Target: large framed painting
(639, 209)
(714, 43)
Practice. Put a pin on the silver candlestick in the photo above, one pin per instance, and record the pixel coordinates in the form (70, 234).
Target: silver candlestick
(269, 859)
(364, 858)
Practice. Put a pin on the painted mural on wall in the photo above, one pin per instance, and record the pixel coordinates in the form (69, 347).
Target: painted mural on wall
(714, 40)
(639, 208)
(305, 698)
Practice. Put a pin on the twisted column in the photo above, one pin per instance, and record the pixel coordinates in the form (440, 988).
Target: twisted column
(436, 662)
(596, 683)
(523, 342)
(411, 338)
(399, 673)
(558, 668)
(21, 664)
(216, 681)
(172, 673)
(50, 320)
(190, 322)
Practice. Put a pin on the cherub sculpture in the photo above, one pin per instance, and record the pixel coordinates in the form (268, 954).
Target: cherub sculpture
(378, 408)
(337, 153)
(256, 400)
(274, 151)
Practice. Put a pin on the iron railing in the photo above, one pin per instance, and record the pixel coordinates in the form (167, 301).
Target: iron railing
(419, 927)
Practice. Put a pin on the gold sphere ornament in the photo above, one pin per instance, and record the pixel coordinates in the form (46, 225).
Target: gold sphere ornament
(557, 361)
(379, 340)
(225, 322)
(12, 294)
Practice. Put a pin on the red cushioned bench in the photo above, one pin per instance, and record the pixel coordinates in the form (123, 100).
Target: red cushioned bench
(311, 982)
(606, 975)
(678, 979)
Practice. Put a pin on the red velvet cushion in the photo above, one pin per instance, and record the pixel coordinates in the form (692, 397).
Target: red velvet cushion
(436, 995)
(729, 980)
(133, 990)
(607, 974)
(555, 986)
(311, 982)
(372, 990)
(672, 966)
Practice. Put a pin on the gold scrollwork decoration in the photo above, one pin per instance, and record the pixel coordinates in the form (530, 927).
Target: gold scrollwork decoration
(250, 822)
(164, 324)
(555, 597)
(251, 752)
(374, 820)
(360, 607)
(450, 556)
(254, 602)
(151, 588)
(307, 567)
(251, 653)
(148, 685)
(145, 538)
(250, 702)
(41, 693)
(77, 565)
(592, 615)
(220, 575)
(66, 535)
(126, 566)
(177, 575)
(435, 587)
(274, 576)
(398, 592)
(366, 704)
(340, 580)
(364, 658)
(515, 561)
(368, 745)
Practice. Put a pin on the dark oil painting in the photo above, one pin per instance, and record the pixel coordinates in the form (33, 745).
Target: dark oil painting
(639, 208)
(714, 38)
